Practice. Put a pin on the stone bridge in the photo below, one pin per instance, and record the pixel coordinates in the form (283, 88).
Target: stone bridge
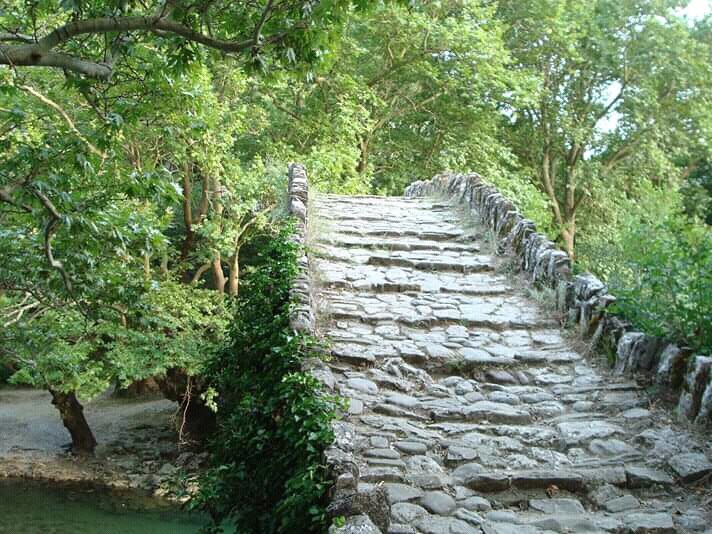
(470, 409)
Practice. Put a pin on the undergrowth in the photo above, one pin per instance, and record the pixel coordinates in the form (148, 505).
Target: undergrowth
(267, 472)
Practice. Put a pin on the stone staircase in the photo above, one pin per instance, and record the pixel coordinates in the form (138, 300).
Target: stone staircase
(468, 407)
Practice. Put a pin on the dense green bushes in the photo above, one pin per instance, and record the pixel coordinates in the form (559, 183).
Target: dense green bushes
(274, 421)
(657, 260)
(664, 280)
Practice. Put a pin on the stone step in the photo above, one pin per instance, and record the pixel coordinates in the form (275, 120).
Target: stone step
(360, 278)
(497, 323)
(420, 260)
(349, 241)
(443, 235)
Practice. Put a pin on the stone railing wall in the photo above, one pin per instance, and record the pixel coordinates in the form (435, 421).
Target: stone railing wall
(582, 298)
(339, 457)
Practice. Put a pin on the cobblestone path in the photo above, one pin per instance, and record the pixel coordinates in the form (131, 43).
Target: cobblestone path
(468, 404)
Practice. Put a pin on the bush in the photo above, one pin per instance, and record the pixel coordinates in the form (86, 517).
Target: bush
(274, 420)
(663, 280)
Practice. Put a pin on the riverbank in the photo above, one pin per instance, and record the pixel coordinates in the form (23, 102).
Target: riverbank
(137, 444)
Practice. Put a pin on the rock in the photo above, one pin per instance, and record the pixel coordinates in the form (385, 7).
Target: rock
(557, 506)
(495, 412)
(611, 447)
(504, 397)
(488, 482)
(475, 396)
(411, 447)
(460, 454)
(696, 386)
(622, 504)
(402, 492)
(476, 504)
(360, 524)
(693, 520)
(690, 466)
(404, 401)
(405, 512)
(442, 525)
(146, 482)
(466, 471)
(428, 481)
(671, 367)
(468, 516)
(355, 406)
(565, 523)
(636, 413)
(372, 503)
(604, 494)
(362, 384)
(167, 469)
(504, 516)
(649, 523)
(438, 502)
(578, 432)
(464, 387)
(382, 453)
(490, 527)
(500, 377)
(533, 479)
(641, 477)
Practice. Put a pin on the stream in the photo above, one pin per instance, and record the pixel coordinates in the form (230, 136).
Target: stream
(40, 508)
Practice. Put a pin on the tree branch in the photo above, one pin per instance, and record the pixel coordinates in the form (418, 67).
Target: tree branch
(50, 229)
(16, 37)
(40, 54)
(51, 103)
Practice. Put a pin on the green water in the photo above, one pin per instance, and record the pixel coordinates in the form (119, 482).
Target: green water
(29, 508)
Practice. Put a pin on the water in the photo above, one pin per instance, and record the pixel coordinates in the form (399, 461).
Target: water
(32, 508)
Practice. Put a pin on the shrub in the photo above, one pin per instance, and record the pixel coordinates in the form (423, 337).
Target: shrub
(267, 472)
(663, 280)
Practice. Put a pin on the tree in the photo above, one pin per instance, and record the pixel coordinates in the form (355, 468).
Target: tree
(395, 101)
(98, 284)
(89, 37)
(617, 83)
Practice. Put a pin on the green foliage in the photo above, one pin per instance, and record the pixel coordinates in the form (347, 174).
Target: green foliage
(618, 91)
(663, 280)
(274, 420)
(395, 101)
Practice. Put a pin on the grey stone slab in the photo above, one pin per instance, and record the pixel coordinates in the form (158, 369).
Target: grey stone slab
(649, 523)
(690, 466)
(402, 493)
(642, 476)
(557, 506)
(622, 504)
(437, 502)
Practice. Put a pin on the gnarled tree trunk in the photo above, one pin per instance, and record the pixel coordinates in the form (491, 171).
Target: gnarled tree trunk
(195, 418)
(72, 414)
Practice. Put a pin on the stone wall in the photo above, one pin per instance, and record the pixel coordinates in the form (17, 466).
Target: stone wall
(583, 299)
(344, 498)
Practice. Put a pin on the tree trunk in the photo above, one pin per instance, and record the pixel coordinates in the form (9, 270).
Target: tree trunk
(234, 275)
(72, 414)
(363, 160)
(568, 235)
(200, 421)
(218, 274)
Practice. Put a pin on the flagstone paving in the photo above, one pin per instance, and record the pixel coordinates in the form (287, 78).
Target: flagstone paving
(470, 406)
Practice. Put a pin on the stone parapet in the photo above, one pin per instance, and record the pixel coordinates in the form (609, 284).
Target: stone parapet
(344, 495)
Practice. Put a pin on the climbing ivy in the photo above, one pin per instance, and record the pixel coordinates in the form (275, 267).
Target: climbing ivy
(267, 470)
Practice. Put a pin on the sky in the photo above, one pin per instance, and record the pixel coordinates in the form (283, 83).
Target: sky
(697, 9)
